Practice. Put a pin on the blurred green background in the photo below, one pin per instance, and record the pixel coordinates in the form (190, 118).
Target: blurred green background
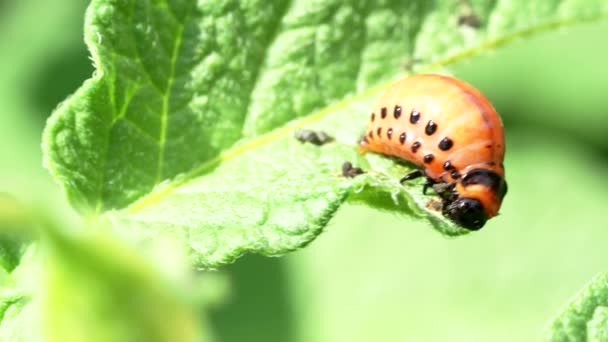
(372, 275)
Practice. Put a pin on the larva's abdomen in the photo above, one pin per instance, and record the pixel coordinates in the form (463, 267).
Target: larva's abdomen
(439, 123)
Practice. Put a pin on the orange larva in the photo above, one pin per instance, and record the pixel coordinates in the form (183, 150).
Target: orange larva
(452, 132)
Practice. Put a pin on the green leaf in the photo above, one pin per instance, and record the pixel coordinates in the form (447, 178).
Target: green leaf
(19, 309)
(188, 121)
(14, 229)
(113, 293)
(274, 200)
(11, 250)
(16, 271)
(585, 318)
(597, 328)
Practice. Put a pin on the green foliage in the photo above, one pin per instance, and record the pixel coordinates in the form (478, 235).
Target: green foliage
(501, 285)
(94, 287)
(14, 228)
(597, 328)
(179, 83)
(11, 249)
(19, 313)
(585, 318)
(186, 130)
(97, 289)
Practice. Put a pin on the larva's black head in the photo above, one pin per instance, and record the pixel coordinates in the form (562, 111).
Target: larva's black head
(466, 212)
(477, 198)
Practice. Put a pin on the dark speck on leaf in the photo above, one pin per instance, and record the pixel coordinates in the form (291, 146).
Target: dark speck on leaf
(349, 171)
(470, 20)
(314, 137)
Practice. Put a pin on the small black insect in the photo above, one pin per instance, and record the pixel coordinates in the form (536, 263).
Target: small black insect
(314, 137)
(349, 171)
(470, 20)
(467, 15)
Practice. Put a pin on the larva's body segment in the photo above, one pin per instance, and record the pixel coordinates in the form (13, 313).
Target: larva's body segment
(446, 127)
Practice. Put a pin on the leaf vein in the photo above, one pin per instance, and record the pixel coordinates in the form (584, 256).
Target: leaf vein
(138, 129)
(166, 98)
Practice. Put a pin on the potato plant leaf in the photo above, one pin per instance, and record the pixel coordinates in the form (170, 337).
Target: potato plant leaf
(113, 293)
(186, 127)
(585, 318)
(18, 308)
(114, 290)
(13, 231)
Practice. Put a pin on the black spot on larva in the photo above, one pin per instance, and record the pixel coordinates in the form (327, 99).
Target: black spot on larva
(448, 166)
(379, 131)
(397, 112)
(446, 144)
(428, 158)
(455, 174)
(364, 140)
(488, 146)
(389, 133)
(415, 146)
(370, 134)
(383, 112)
(402, 138)
(430, 128)
(414, 116)
(373, 116)
(491, 163)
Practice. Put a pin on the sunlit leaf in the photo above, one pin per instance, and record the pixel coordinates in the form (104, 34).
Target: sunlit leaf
(187, 126)
(585, 318)
(98, 289)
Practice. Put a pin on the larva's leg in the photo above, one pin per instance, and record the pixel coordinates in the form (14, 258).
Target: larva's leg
(412, 175)
(428, 184)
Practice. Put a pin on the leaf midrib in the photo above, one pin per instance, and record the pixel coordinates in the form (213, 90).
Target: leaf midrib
(162, 139)
(159, 193)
